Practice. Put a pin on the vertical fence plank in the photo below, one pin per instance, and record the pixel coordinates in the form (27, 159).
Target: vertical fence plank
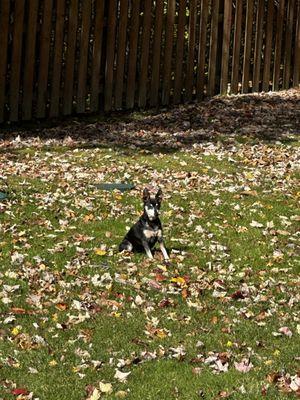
(97, 54)
(16, 60)
(110, 54)
(211, 87)
(278, 43)
(179, 51)
(83, 56)
(288, 45)
(168, 52)
(226, 46)
(201, 50)
(248, 46)
(29, 64)
(268, 46)
(189, 83)
(156, 53)
(70, 58)
(236, 46)
(57, 59)
(296, 74)
(4, 23)
(133, 47)
(44, 60)
(145, 54)
(121, 53)
(258, 44)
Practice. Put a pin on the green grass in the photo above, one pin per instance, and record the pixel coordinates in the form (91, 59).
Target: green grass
(63, 330)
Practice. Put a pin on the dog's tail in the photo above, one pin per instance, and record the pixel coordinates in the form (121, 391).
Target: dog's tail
(125, 245)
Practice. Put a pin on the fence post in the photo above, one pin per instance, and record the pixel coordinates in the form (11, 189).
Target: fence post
(268, 46)
(4, 23)
(110, 54)
(57, 60)
(97, 54)
(226, 46)
(145, 53)
(15, 77)
(168, 52)
(288, 45)
(156, 53)
(201, 50)
(179, 51)
(247, 49)
(236, 46)
(44, 60)
(278, 41)
(296, 74)
(70, 58)
(132, 58)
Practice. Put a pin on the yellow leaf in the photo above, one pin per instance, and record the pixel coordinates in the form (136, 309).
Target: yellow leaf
(100, 252)
(161, 333)
(179, 280)
(105, 387)
(52, 363)
(15, 331)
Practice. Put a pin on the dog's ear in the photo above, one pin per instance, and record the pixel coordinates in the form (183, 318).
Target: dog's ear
(159, 196)
(146, 195)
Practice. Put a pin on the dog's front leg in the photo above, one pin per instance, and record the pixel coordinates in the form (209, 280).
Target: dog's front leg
(147, 249)
(163, 249)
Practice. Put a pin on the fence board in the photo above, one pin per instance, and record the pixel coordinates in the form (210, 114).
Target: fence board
(268, 46)
(226, 45)
(236, 46)
(121, 52)
(189, 84)
(211, 86)
(70, 58)
(145, 53)
(278, 43)
(201, 50)
(97, 55)
(296, 74)
(179, 52)
(44, 60)
(155, 79)
(258, 44)
(29, 60)
(247, 48)
(110, 54)
(4, 23)
(57, 60)
(133, 47)
(16, 60)
(83, 56)
(288, 44)
(168, 52)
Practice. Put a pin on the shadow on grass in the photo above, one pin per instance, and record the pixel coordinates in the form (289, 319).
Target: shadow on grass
(266, 116)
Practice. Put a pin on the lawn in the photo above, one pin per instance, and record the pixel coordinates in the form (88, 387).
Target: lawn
(81, 321)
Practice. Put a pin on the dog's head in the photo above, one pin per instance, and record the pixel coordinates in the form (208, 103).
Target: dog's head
(152, 203)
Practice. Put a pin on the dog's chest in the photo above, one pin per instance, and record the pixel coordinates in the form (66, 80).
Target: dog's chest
(152, 233)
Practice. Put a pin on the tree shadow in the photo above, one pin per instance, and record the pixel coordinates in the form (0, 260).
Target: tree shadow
(264, 116)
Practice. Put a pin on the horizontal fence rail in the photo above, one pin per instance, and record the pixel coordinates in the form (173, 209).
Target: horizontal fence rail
(63, 57)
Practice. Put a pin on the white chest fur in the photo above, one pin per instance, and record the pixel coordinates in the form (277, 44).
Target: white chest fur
(151, 233)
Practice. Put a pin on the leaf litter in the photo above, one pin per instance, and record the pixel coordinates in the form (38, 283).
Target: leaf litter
(229, 300)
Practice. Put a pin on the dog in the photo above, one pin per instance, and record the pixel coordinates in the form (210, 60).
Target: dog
(144, 234)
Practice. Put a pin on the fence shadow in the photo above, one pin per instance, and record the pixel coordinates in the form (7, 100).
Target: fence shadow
(267, 117)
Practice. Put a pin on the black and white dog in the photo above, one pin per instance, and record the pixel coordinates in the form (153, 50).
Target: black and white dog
(143, 235)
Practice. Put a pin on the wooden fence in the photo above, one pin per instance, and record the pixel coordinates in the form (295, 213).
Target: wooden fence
(62, 57)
